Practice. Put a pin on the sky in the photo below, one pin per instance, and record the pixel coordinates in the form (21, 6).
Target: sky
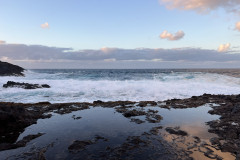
(120, 33)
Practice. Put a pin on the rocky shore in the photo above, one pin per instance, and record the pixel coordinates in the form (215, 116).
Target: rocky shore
(15, 117)
(7, 69)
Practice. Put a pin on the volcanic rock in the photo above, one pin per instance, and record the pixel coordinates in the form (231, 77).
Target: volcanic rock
(7, 69)
(11, 84)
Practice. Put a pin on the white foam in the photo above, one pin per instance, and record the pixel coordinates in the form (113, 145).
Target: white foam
(76, 90)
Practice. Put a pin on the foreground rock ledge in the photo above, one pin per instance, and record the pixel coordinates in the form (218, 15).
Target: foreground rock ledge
(14, 117)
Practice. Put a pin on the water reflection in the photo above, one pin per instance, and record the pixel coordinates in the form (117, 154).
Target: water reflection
(62, 130)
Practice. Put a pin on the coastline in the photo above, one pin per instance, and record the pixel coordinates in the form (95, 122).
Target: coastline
(224, 71)
(17, 116)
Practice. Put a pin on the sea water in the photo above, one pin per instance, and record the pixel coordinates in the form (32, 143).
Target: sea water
(87, 85)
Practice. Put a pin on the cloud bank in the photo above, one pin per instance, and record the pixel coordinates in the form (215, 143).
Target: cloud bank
(203, 5)
(172, 37)
(39, 53)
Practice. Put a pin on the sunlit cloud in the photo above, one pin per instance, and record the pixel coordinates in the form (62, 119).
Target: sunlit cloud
(107, 50)
(172, 37)
(202, 5)
(45, 25)
(224, 47)
(237, 27)
(2, 42)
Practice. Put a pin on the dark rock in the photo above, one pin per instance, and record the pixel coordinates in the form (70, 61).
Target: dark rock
(7, 69)
(76, 118)
(155, 130)
(79, 145)
(137, 121)
(21, 143)
(176, 131)
(134, 112)
(11, 84)
(215, 141)
(98, 102)
(45, 86)
(197, 139)
(97, 138)
(135, 140)
(152, 117)
(13, 119)
(145, 103)
(230, 147)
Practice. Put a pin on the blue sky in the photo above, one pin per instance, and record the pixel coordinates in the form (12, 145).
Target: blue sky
(125, 24)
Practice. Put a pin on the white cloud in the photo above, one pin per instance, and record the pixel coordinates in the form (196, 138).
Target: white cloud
(237, 26)
(202, 5)
(224, 47)
(2, 42)
(45, 25)
(172, 37)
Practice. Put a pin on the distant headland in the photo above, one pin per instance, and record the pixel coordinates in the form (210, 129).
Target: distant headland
(7, 69)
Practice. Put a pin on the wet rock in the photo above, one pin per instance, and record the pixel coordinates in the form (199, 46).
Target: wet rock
(152, 117)
(97, 138)
(137, 121)
(134, 112)
(98, 102)
(176, 131)
(155, 130)
(135, 140)
(145, 103)
(230, 147)
(7, 69)
(215, 141)
(34, 153)
(227, 127)
(11, 84)
(13, 119)
(112, 104)
(21, 143)
(197, 139)
(210, 155)
(79, 145)
(121, 109)
(76, 118)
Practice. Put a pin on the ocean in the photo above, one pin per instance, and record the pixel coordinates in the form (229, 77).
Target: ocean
(88, 85)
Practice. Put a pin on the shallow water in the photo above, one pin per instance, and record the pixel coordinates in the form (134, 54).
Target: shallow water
(61, 130)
